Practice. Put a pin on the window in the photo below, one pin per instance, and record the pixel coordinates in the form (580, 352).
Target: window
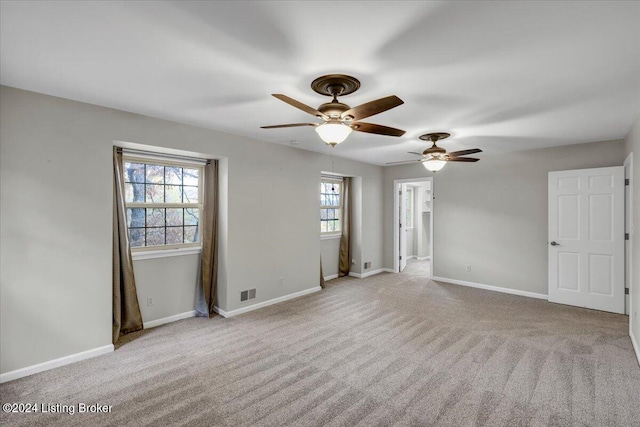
(330, 205)
(409, 207)
(163, 202)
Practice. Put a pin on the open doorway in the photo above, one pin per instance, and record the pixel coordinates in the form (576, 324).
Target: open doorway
(413, 226)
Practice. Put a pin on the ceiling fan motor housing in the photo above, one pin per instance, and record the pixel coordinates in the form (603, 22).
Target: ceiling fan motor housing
(434, 137)
(333, 109)
(434, 150)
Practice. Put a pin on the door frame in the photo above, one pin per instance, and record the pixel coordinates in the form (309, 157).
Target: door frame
(396, 220)
(402, 237)
(628, 166)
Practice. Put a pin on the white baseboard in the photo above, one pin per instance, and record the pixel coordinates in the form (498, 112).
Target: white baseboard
(55, 363)
(158, 322)
(330, 277)
(220, 312)
(491, 288)
(412, 257)
(423, 258)
(265, 303)
(636, 348)
(370, 273)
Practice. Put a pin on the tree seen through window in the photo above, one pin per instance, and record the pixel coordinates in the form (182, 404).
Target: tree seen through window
(162, 201)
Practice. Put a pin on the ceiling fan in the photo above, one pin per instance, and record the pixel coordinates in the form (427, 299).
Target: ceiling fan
(434, 158)
(339, 118)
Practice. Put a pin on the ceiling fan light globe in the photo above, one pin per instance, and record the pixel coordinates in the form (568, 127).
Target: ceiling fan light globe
(434, 165)
(333, 133)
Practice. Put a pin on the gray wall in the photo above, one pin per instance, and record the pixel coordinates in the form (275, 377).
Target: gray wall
(56, 193)
(330, 252)
(492, 215)
(425, 241)
(170, 282)
(632, 145)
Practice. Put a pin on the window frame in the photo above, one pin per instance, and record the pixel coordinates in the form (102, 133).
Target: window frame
(157, 160)
(336, 181)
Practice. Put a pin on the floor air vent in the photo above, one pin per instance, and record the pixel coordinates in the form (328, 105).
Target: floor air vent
(247, 295)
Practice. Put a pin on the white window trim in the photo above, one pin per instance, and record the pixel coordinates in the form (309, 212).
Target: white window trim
(330, 235)
(164, 253)
(171, 160)
(333, 234)
(172, 249)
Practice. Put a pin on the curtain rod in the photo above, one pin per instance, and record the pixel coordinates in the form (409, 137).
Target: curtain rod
(163, 155)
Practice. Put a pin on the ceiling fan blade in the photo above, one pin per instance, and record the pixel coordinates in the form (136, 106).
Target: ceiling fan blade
(291, 125)
(462, 159)
(300, 105)
(369, 109)
(465, 152)
(377, 129)
(404, 162)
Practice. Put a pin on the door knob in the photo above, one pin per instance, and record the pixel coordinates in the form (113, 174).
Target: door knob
(555, 244)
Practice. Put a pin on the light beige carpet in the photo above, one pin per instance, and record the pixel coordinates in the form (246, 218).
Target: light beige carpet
(387, 350)
(418, 268)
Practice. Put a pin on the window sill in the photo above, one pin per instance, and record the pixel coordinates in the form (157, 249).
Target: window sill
(330, 236)
(164, 253)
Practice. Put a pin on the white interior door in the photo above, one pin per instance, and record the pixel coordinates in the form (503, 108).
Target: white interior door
(586, 238)
(401, 225)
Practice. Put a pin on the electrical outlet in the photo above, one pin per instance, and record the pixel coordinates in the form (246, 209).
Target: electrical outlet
(281, 281)
(468, 268)
(149, 301)
(367, 265)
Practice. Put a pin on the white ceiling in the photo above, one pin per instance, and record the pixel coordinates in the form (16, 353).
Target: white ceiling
(500, 76)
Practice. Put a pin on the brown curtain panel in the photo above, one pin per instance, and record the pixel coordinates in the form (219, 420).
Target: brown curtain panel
(321, 274)
(209, 223)
(126, 310)
(345, 239)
